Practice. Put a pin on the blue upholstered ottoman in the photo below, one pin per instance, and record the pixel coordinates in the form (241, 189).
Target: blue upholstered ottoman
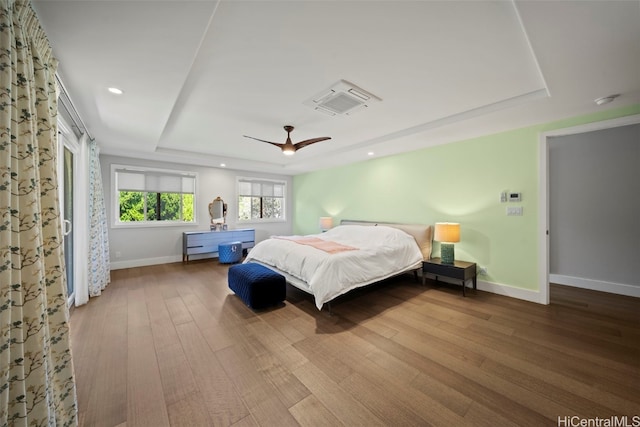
(229, 253)
(256, 285)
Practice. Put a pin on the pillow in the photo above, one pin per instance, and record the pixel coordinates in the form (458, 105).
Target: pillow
(423, 234)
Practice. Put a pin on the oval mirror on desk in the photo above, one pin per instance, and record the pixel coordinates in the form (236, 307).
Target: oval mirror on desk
(217, 211)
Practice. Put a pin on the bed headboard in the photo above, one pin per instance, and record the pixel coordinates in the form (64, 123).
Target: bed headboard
(421, 232)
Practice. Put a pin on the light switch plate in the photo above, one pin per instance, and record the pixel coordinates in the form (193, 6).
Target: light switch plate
(514, 211)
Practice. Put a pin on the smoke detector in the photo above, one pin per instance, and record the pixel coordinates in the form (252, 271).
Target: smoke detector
(342, 98)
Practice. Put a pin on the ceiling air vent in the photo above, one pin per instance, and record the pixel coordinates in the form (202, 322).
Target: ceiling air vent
(343, 98)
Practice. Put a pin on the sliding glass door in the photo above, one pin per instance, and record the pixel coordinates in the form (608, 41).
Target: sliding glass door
(69, 254)
(67, 178)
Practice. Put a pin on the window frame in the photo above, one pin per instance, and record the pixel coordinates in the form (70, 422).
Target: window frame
(115, 196)
(282, 182)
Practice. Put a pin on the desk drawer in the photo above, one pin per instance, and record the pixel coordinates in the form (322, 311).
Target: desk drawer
(444, 270)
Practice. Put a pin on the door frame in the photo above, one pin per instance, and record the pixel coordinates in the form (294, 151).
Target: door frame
(543, 199)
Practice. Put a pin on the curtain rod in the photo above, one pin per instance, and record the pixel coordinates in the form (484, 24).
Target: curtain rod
(65, 100)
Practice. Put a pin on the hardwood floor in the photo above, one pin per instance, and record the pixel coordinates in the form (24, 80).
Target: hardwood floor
(172, 345)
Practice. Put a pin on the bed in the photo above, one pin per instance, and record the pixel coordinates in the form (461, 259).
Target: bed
(349, 256)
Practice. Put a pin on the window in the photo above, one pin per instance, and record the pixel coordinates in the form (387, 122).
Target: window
(144, 196)
(261, 200)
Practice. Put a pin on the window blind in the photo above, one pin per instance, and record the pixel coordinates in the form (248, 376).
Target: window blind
(154, 182)
(259, 188)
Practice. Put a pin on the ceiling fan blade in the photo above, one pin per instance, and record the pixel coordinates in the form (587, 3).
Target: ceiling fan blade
(262, 140)
(288, 147)
(310, 141)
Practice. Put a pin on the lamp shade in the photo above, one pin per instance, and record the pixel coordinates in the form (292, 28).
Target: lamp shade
(326, 222)
(448, 232)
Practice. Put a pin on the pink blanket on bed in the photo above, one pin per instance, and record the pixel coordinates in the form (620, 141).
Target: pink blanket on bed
(324, 245)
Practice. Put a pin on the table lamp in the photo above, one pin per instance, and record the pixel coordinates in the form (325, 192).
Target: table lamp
(326, 222)
(447, 233)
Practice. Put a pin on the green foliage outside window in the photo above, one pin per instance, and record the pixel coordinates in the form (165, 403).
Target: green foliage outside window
(187, 207)
(254, 207)
(261, 199)
(141, 206)
(131, 206)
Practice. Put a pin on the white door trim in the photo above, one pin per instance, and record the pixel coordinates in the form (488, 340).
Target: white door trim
(543, 185)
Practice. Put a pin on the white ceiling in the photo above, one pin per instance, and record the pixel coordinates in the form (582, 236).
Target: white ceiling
(198, 75)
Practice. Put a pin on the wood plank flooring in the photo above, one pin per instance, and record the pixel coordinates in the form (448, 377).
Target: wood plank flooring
(171, 345)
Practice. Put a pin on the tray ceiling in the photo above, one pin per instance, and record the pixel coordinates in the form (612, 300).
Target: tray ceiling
(197, 75)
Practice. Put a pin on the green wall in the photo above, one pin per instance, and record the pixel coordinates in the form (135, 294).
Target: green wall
(456, 182)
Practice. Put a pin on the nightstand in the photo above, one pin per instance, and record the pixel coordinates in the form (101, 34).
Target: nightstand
(460, 270)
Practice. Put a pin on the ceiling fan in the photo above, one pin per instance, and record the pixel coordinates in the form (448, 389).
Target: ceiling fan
(288, 148)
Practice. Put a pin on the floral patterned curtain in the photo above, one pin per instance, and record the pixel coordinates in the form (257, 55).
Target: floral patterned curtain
(37, 385)
(99, 268)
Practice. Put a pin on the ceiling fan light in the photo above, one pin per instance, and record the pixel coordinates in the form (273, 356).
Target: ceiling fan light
(288, 151)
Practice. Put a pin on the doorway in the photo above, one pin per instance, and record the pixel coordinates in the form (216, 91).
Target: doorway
(544, 208)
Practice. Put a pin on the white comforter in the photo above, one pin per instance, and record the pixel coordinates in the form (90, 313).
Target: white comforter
(382, 252)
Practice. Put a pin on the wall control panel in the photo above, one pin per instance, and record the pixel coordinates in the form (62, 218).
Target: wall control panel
(507, 196)
(515, 197)
(510, 196)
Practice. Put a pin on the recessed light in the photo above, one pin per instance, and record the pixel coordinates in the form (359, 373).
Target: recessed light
(222, 165)
(115, 90)
(370, 153)
(606, 99)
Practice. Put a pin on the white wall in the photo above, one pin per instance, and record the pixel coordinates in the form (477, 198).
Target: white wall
(137, 246)
(594, 209)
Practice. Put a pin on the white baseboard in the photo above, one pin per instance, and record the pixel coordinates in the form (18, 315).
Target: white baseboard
(596, 285)
(511, 291)
(496, 288)
(119, 265)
